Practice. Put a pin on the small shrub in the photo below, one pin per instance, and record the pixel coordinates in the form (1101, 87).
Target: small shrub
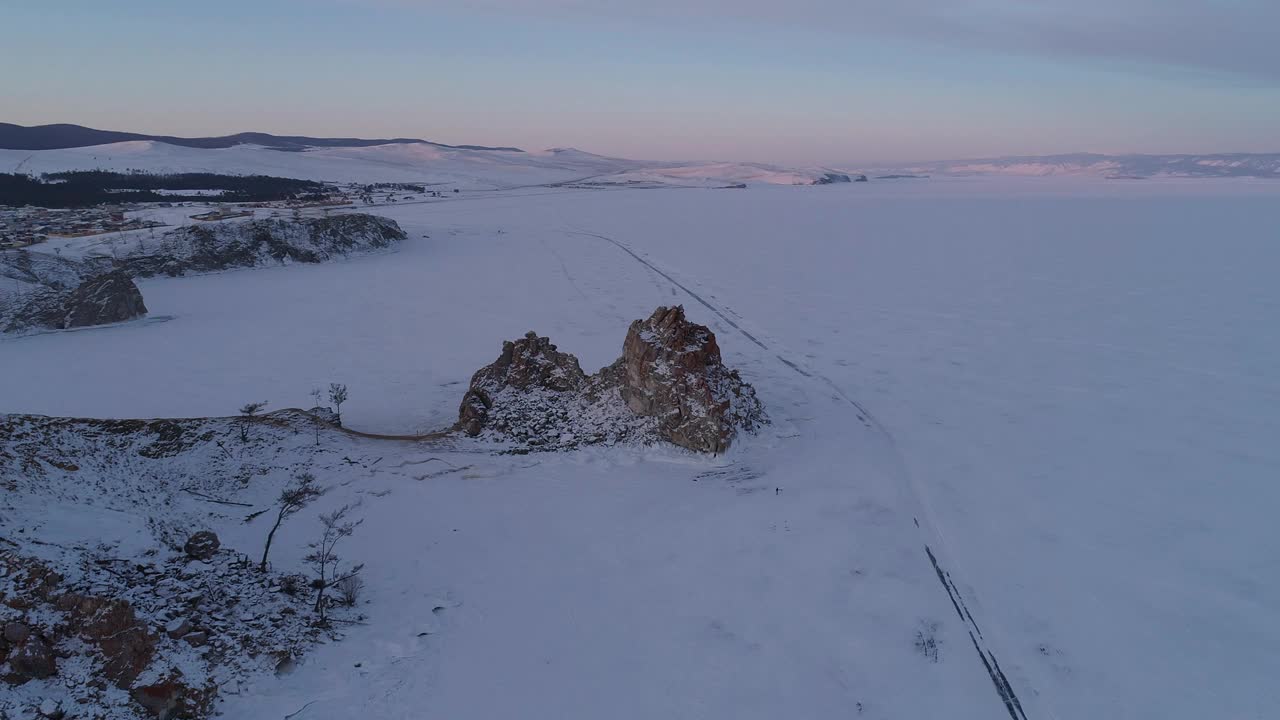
(291, 584)
(349, 590)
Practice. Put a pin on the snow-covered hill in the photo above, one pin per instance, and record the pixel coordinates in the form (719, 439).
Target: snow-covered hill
(1258, 165)
(406, 162)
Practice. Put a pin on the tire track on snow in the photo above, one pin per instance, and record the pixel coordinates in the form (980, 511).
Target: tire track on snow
(1003, 687)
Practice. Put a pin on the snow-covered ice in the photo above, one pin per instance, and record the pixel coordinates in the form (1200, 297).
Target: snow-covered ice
(1066, 388)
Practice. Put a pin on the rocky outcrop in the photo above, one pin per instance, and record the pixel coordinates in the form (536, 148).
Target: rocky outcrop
(32, 659)
(672, 371)
(104, 299)
(526, 367)
(226, 245)
(670, 384)
(99, 300)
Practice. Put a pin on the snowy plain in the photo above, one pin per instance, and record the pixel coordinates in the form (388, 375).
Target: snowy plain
(1071, 384)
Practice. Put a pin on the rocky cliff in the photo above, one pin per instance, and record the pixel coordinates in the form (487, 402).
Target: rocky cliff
(226, 245)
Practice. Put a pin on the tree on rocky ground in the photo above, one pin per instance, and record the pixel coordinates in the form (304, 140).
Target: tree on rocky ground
(326, 564)
(247, 415)
(337, 396)
(297, 495)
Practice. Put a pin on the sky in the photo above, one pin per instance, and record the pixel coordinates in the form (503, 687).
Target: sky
(794, 81)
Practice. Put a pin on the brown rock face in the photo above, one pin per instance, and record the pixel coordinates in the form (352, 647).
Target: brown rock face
(673, 372)
(126, 645)
(529, 363)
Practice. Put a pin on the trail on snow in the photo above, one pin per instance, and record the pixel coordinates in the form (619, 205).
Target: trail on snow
(935, 543)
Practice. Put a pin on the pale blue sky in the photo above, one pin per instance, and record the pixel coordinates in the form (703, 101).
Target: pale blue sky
(823, 81)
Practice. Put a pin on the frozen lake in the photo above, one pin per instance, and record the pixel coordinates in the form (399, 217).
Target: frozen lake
(1081, 377)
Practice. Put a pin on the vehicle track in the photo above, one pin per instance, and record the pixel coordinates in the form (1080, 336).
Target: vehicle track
(935, 543)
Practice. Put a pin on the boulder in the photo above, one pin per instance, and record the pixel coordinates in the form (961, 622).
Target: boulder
(33, 660)
(16, 632)
(177, 628)
(163, 700)
(202, 545)
(174, 698)
(672, 371)
(196, 639)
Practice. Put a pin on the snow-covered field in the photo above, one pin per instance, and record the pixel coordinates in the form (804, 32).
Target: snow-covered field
(1067, 389)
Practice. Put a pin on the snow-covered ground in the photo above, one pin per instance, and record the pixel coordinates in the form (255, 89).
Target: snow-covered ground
(1066, 389)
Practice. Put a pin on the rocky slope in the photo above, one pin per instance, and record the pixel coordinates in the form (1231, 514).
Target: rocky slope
(21, 270)
(115, 601)
(227, 245)
(670, 384)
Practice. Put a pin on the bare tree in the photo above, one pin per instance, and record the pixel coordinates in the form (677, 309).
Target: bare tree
(325, 563)
(247, 414)
(292, 498)
(315, 417)
(337, 396)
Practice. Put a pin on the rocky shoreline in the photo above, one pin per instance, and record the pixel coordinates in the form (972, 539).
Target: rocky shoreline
(54, 293)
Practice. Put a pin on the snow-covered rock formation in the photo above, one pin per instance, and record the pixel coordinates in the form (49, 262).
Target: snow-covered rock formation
(671, 371)
(670, 384)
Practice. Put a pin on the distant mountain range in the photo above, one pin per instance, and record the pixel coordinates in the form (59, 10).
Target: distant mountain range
(1256, 165)
(64, 136)
(52, 148)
